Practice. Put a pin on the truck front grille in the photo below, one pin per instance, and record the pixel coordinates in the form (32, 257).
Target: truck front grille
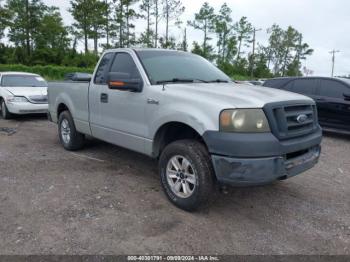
(38, 99)
(291, 120)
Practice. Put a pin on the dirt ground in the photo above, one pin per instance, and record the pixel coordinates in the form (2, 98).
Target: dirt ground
(108, 200)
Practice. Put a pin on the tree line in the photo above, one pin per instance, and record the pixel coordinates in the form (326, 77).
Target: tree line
(32, 33)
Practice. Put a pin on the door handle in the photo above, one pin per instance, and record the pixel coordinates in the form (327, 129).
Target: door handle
(104, 98)
(152, 101)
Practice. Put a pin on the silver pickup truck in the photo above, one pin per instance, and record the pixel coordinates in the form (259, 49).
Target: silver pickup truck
(204, 129)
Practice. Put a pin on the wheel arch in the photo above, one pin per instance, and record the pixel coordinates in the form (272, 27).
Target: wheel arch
(61, 108)
(172, 131)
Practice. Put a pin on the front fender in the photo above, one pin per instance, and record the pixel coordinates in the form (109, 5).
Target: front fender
(4, 93)
(195, 118)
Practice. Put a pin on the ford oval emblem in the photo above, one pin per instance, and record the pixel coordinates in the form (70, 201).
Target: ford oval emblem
(302, 118)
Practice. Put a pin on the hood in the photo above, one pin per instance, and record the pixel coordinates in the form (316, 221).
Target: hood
(235, 95)
(27, 91)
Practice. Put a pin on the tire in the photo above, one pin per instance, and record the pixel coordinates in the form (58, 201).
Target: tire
(197, 164)
(4, 111)
(70, 138)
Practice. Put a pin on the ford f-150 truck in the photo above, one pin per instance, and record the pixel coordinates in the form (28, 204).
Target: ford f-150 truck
(180, 109)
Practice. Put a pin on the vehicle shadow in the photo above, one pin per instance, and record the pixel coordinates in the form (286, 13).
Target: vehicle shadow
(223, 197)
(336, 135)
(135, 164)
(29, 117)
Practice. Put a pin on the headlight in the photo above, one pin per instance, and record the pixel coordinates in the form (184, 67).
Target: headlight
(244, 121)
(16, 99)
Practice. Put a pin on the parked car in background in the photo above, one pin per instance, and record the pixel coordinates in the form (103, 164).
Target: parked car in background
(256, 82)
(22, 93)
(332, 96)
(243, 82)
(179, 108)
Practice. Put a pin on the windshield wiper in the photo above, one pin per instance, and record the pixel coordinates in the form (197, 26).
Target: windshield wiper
(181, 80)
(218, 81)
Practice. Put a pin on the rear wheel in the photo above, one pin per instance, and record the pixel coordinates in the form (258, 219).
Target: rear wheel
(4, 111)
(187, 174)
(70, 138)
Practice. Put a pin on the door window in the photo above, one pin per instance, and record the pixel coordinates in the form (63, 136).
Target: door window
(335, 89)
(123, 63)
(305, 86)
(102, 70)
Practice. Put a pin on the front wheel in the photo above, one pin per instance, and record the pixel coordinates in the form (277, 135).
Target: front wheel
(187, 174)
(4, 111)
(70, 138)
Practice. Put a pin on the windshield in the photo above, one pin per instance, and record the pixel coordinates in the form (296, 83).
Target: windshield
(23, 81)
(170, 66)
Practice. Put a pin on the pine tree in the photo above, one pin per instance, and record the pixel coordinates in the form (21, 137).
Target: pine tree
(285, 50)
(125, 14)
(172, 10)
(108, 27)
(205, 21)
(223, 29)
(81, 11)
(4, 19)
(130, 15)
(184, 44)
(243, 30)
(98, 22)
(52, 41)
(25, 20)
(157, 17)
(146, 8)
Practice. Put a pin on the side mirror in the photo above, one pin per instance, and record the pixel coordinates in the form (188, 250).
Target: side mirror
(123, 82)
(347, 96)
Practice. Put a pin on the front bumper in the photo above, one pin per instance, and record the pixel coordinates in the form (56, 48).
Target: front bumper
(260, 171)
(257, 159)
(27, 108)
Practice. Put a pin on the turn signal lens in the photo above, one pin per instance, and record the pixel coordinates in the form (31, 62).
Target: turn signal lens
(225, 118)
(114, 83)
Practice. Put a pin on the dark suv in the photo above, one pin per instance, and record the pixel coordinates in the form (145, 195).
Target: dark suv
(332, 96)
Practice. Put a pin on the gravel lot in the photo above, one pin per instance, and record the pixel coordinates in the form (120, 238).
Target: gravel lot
(108, 200)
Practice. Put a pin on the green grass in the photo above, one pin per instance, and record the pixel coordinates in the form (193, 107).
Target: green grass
(50, 72)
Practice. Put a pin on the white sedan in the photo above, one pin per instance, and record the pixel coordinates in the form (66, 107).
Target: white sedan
(22, 93)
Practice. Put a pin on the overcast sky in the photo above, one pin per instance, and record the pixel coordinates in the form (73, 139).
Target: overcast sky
(325, 25)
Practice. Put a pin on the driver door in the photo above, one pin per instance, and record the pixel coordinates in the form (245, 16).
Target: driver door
(120, 119)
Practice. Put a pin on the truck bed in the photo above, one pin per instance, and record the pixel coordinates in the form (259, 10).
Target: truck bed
(75, 95)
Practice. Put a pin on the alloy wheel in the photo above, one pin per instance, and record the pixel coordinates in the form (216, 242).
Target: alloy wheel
(181, 176)
(65, 131)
